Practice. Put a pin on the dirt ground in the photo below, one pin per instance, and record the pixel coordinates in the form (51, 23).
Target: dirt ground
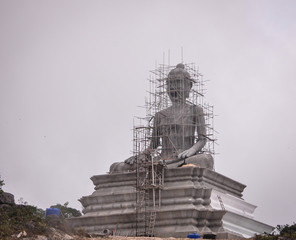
(135, 238)
(132, 238)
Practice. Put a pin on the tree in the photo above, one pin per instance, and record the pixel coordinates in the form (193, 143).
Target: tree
(1, 184)
(67, 212)
(288, 231)
(283, 232)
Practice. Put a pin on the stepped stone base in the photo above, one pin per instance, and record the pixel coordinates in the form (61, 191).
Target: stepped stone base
(189, 203)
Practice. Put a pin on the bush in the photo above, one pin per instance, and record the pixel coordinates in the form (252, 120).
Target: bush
(67, 212)
(287, 231)
(282, 232)
(1, 184)
(266, 237)
(19, 218)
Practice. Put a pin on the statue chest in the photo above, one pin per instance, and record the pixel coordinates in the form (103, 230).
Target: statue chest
(178, 125)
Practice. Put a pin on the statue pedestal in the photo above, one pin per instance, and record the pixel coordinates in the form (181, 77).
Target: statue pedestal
(189, 203)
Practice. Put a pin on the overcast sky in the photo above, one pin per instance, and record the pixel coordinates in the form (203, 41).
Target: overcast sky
(73, 73)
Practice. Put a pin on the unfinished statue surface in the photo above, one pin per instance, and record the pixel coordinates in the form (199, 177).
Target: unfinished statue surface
(179, 131)
(175, 201)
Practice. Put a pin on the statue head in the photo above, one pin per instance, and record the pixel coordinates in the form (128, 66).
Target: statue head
(179, 84)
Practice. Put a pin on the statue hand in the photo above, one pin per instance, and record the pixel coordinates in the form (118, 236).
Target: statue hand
(187, 153)
(131, 160)
(141, 157)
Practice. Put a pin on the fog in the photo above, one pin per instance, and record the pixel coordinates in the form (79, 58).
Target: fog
(73, 73)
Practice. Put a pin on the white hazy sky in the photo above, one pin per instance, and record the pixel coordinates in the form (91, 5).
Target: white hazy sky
(72, 74)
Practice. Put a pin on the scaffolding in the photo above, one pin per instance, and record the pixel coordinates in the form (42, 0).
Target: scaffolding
(158, 100)
(149, 183)
(157, 140)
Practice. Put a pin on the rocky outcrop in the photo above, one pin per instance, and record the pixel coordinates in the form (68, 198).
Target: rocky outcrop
(6, 198)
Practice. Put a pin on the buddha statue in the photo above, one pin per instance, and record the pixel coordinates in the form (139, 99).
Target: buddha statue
(179, 130)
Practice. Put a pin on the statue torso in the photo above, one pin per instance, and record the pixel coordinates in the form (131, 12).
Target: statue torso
(175, 128)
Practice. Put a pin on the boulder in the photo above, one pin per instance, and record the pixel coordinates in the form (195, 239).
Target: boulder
(6, 198)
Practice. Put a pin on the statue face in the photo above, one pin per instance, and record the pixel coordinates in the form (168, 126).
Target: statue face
(178, 89)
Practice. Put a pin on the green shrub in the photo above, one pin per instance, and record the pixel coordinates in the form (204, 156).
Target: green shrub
(67, 212)
(1, 184)
(287, 231)
(282, 231)
(19, 218)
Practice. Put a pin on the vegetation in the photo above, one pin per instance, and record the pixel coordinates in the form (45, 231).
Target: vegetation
(287, 231)
(67, 212)
(21, 218)
(1, 184)
(282, 232)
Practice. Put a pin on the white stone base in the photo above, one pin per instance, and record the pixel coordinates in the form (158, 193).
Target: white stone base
(189, 204)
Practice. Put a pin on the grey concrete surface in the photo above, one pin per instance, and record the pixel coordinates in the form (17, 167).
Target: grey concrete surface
(187, 205)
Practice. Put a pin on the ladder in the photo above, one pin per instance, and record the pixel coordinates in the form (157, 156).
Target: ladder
(150, 180)
(221, 202)
(151, 223)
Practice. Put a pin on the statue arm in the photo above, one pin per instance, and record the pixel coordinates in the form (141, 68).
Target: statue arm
(155, 141)
(201, 131)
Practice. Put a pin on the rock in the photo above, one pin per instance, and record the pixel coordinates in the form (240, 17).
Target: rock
(58, 235)
(6, 198)
(41, 237)
(5, 206)
(67, 237)
(22, 234)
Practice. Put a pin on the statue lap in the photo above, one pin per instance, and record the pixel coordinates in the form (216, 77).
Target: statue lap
(200, 160)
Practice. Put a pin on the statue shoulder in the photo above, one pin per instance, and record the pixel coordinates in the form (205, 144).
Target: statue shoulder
(197, 108)
(164, 113)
